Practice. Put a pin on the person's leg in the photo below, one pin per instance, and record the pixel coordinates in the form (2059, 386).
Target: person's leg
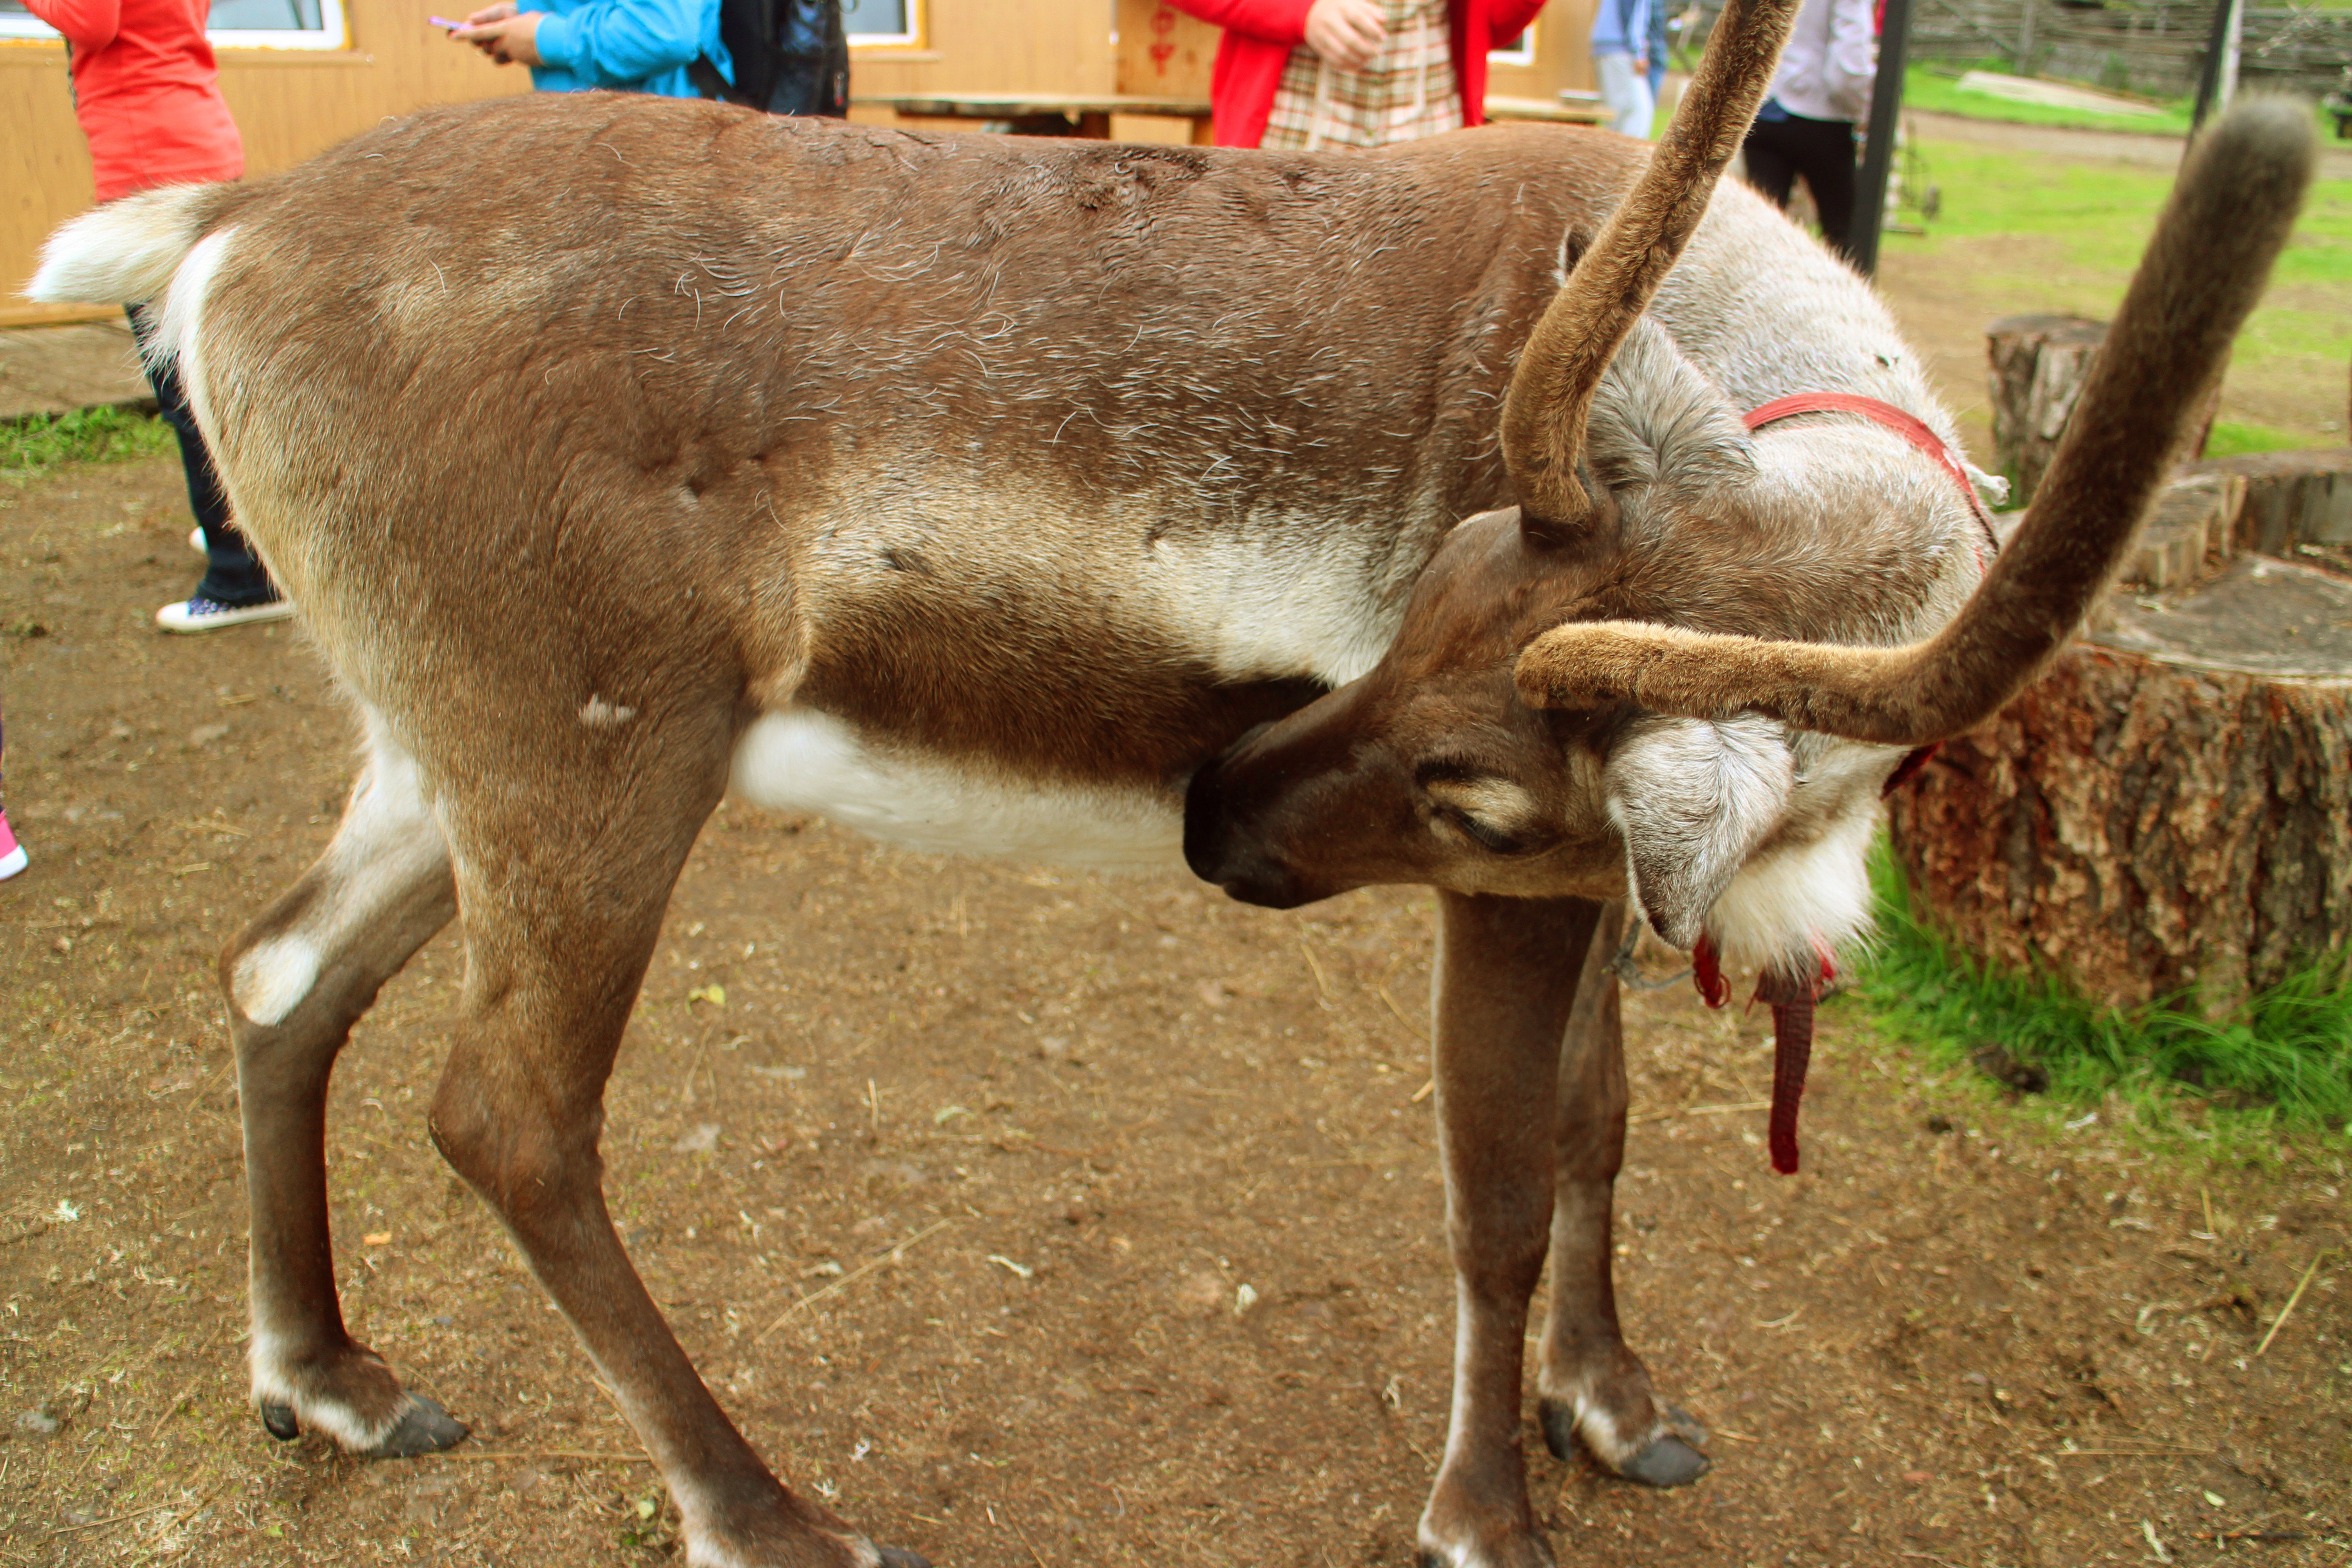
(1645, 105)
(11, 854)
(1828, 167)
(235, 580)
(1770, 167)
(1626, 92)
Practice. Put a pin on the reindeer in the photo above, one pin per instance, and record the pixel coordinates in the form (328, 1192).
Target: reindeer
(993, 495)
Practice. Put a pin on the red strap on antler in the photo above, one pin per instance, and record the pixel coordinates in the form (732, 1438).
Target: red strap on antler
(1909, 426)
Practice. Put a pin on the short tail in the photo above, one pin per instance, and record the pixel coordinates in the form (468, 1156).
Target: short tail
(126, 251)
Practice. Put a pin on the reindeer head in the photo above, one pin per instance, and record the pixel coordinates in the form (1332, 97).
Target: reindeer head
(1652, 677)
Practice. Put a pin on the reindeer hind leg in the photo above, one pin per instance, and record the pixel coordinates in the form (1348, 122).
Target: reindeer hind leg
(298, 978)
(563, 900)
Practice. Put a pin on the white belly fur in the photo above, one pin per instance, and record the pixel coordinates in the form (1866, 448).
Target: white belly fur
(800, 760)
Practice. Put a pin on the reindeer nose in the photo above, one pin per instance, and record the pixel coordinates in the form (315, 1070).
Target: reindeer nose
(1221, 846)
(1207, 835)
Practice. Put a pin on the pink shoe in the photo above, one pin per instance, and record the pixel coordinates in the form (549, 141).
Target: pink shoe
(11, 854)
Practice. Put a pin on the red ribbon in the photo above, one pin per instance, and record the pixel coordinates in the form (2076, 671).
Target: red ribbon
(1793, 1053)
(1909, 768)
(1791, 998)
(1706, 974)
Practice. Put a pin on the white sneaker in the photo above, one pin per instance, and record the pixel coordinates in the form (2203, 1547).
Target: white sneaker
(202, 615)
(196, 541)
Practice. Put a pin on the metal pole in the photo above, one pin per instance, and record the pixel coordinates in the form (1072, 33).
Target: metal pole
(2220, 60)
(1878, 156)
(2228, 87)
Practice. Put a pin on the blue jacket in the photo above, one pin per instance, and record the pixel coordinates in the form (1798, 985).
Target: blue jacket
(1622, 27)
(632, 45)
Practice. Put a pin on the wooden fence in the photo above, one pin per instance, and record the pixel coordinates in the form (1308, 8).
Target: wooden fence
(2152, 47)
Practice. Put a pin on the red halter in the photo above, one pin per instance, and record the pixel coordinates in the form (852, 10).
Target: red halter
(1906, 426)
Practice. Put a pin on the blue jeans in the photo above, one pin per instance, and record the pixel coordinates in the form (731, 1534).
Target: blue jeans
(233, 574)
(1626, 92)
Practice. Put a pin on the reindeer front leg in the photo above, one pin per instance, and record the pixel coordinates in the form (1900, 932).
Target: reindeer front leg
(1507, 975)
(1592, 1385)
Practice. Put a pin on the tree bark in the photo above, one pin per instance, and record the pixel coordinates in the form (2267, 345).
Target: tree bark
(2168, 811)
(2040, 364)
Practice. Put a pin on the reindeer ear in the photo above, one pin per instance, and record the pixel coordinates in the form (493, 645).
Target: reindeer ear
(1658, 420)
(1693, 797)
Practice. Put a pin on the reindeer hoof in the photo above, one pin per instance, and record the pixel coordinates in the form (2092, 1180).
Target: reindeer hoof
(900, 1557)
(278, 1420)
(425, 1428)
(1520, 1551)
(1558, 1422)
(1667, 1461)
(1670, 1458)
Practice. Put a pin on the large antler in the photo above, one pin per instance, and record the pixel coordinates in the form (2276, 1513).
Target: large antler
(2230, 214)
(1551, 390)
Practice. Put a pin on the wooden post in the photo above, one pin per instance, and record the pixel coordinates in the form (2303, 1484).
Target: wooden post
(2216, 76)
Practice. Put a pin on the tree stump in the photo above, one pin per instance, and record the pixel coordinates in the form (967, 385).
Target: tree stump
(2297, 503)
(2039, 366)
(2169, 810)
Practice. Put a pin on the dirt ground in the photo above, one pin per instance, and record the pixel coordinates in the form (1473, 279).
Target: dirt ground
(1039, 1220)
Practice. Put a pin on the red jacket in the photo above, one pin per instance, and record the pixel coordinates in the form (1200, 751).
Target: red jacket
(1260, 35)
(147, 92)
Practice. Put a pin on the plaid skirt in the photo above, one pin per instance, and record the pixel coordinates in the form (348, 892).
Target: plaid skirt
(1408, 91)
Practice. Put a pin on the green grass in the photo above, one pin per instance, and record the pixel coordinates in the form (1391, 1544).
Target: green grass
(2236, 438)
(1935, 85)
(33, 446)
(2283, 1061)
(2064, 235)
(2103, 212)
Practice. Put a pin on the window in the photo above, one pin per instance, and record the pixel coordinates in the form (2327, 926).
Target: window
(877, 24)
(1518, 51)
(235, 24)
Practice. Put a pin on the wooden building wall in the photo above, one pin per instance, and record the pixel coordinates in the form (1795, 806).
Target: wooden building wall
(995, 46)
(1563, 55)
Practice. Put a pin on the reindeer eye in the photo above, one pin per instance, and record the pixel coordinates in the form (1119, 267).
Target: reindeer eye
(1500, 842)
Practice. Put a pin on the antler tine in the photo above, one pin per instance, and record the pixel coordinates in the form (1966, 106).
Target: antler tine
(2228, 219)
(1551, 390)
